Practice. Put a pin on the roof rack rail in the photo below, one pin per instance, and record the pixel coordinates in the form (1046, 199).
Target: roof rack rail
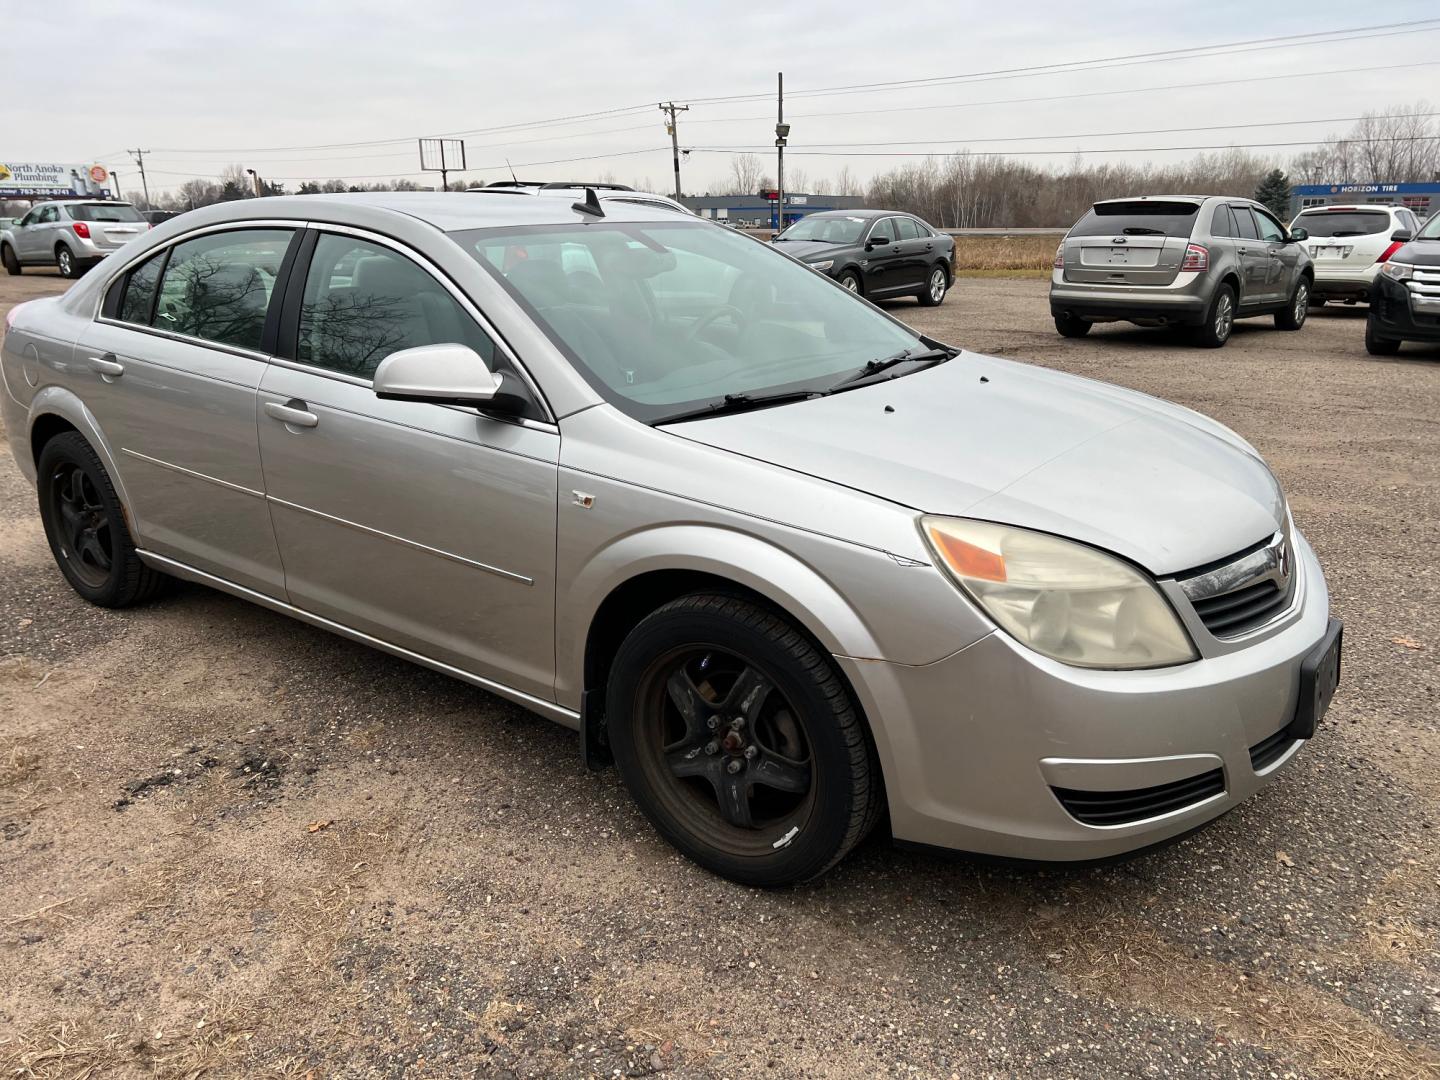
(566, 185)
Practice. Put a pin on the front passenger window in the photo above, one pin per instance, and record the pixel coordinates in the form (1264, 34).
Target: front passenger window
(1270, 230)
(218, 287)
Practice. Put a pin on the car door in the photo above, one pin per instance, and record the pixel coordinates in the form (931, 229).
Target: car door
(1282, 256)
(882, 260)
(171, 368)
(910, 267)
(29, 240)
(430, 527)
(1254, 257)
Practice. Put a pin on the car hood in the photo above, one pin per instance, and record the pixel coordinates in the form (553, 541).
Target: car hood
(1416, 253)
(1003, 441)
(809, 250)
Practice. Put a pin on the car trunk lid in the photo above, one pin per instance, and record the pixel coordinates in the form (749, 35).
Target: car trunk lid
(1131, 242)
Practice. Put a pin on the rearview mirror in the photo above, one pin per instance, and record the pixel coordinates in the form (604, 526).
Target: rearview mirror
(1401, 236)
(878, 240)
(440, 374)
(1299, 234)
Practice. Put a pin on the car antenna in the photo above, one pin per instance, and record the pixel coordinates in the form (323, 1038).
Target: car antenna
(591, 205)
(512, 171)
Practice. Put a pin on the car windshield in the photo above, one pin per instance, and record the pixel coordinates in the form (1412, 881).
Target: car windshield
(828, 230)
(665, 317)
(1325, 223)
(1148, 218)
(108, 212)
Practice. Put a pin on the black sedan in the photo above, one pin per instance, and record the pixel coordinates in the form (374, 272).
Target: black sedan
(1405, 299)
(880, 253)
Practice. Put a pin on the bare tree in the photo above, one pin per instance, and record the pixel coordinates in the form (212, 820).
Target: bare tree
(846, 183)
(746, 171)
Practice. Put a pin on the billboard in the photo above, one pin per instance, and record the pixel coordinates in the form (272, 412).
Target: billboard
(27, 179)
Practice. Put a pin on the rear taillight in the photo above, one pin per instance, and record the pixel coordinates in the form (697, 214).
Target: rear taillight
(1197, 258)
(1059, 262)
(81, 230)
(1395, 245)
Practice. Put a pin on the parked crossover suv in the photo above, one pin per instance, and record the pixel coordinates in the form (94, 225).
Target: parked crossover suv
(1180, 260)
(880, 253)
(1405, 299)
(1349, 244)
(70, 235)
(787, 561)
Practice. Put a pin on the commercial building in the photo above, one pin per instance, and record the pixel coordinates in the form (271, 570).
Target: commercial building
(1422, 198)
(758, 212)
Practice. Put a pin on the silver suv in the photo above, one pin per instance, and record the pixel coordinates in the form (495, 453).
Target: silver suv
(1198, 261)
(70, 235)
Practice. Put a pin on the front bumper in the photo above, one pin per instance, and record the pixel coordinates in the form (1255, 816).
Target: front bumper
(1175, 304)
(1401, 314)
(975, 746)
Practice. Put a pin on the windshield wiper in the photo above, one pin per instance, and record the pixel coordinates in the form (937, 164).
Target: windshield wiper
(1142, 230)
(874, 367)
(736, 403)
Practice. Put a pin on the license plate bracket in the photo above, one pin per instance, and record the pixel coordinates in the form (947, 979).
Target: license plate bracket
(1319, 676)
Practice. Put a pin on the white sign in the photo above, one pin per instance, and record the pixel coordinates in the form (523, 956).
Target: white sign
(26, 178)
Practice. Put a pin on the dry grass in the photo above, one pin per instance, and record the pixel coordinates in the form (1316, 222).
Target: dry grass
(1004, 256)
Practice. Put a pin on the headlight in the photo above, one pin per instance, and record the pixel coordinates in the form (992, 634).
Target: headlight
(823, 265)
(1398, 271)
(1065, 600)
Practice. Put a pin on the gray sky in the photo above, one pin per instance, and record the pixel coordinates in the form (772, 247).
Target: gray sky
(205, 85)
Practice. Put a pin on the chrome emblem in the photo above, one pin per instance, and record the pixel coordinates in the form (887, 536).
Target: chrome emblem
(1272, 562)
(1118, 240)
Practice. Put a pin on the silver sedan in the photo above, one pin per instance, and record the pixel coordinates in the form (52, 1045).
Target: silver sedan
(792, 567)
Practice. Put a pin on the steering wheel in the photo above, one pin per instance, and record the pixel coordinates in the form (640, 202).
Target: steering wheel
(718, 312)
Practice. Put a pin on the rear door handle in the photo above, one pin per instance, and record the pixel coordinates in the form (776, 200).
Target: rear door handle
(107, 365)
(289, 414)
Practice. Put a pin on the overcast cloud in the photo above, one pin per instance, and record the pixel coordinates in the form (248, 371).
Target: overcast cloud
(204, 85)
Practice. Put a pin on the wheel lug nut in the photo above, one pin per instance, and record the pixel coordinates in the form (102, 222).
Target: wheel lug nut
(734, 766)
(712, 747)
(737, 723)
(750, 753)
(713, 723)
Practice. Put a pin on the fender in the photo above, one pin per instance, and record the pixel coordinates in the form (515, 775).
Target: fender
(57, 401)
(748, 560)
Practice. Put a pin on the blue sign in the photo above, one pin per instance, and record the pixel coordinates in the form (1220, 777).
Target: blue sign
(1367, 189)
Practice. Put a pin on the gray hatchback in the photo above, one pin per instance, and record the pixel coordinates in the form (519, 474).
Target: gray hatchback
(1194, 261)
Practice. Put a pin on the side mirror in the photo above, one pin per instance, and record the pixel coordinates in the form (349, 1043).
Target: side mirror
(879, 240)
(1299, 234)
(441, 375)
(1401, 236)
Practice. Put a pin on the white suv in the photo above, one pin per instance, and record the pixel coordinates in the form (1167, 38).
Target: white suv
(1349, 244)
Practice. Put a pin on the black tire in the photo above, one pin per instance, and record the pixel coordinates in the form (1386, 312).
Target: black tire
(86, 528)
(787, 754)
(12, 264)
(1376, 345)
(1072, 327)
(1219, 320)
(65, 260)
(933, 294)
(1292, 315)
(1317, 301)
(851, 280)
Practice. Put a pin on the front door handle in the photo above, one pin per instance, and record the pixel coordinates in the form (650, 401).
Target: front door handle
(107, 365)
(289, 414)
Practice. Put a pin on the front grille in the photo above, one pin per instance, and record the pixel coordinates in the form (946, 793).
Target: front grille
(1268, 751)
(1124, 807)
(1244, 609)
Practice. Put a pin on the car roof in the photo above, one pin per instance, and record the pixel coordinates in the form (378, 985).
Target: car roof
(449, 211)
(858, 213)
(1351, 206)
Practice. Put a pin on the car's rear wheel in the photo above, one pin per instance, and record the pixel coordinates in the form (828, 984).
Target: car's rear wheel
(1071, 326)
(1292, 316)
(8, 257)
(1375, 344)
(936, 285)
(86, 527)
(65, 260)
(1219, 319)
(738, 740)
(850, 280)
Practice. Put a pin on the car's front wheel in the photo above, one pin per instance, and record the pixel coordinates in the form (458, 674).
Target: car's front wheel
(8, 257)
(1292, 316)
(1219, 319)
(86, 526)
(65, 260)
(933, 295)
(1375, 344)
(738, 740)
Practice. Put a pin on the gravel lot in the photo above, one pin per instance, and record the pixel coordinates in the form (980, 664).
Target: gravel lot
(232, 845)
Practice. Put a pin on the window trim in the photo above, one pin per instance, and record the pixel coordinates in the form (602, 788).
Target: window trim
(870, 232)
(289, 324)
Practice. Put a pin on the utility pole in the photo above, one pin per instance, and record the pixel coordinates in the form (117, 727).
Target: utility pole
(782, 132)
(669, 108)
(139, 156)
(255, 182)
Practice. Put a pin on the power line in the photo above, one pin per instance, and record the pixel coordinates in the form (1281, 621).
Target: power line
(1067, 153)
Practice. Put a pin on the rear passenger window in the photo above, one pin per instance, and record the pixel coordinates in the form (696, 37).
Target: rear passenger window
(364, 301)
(138, 300)
(1244, 223)
(905, 229)
(218, 287)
